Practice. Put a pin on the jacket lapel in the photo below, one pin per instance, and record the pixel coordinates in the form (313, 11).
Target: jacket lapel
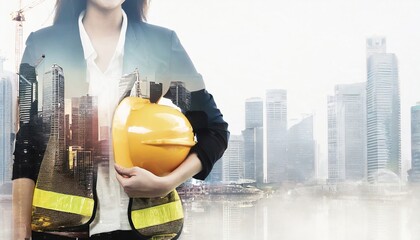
(74, 64)
(135, 54)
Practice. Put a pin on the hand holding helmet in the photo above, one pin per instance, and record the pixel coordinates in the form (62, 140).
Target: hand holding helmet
(151, 136)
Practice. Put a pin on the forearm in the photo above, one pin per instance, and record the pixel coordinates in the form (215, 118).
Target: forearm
(188, 168)
(23, 189)
(138, 182)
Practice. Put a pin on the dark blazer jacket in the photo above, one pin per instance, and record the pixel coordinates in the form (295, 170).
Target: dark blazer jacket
(156, 52)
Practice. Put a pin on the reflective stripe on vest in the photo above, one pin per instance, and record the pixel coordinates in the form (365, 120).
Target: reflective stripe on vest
(63, 202)
(156, 215)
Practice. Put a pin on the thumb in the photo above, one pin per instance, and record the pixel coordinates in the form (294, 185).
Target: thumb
(124, 171)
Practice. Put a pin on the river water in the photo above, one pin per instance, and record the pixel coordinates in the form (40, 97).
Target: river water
(279, 216)
(308, 218)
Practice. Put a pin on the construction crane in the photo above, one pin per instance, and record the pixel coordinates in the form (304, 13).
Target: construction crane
(19, 17)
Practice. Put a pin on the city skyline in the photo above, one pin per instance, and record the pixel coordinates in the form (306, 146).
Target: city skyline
(279, 102)
(305, 47)
(276, 97)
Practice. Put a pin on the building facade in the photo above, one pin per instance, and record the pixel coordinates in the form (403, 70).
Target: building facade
(84, 127)
(347, 133)
(276, 117)
(53, 115)
(254, 140)
(414, 173)
(301, 151)
(233, 160)
(383, 111)
(28, 93)
(216, 174)
(6, 126)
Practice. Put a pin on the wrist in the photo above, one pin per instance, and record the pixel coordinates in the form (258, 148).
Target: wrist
(166, 183)
(186, 170)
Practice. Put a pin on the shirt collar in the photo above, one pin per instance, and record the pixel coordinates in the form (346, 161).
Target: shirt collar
(88, 49)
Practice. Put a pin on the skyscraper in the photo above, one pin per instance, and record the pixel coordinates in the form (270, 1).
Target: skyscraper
(54, 116)
(254, 140)
(347, 133)
(276, 110)
(232, 160)
(85, 122)
(216, 174)
(85, 149)
(254, 112)
(301, 151)
(28, 93)
(179, 95)
(6, 126)
(414, 173)
(383, 111)
(375, 45)
(335, 167)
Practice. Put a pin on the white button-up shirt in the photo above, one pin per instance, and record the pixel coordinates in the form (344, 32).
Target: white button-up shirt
(111, 213)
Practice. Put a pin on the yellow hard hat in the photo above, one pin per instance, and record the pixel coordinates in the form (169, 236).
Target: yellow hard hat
(151, 136)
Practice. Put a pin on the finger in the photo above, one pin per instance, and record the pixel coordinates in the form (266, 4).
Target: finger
(124, 171)
(121, 179)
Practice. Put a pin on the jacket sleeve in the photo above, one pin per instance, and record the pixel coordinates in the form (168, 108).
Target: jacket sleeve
(29, 146)
(188, 92)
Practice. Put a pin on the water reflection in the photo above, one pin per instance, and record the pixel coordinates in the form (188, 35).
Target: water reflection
(282, 217)
(5, 217)
(223, 217)
(279, 216)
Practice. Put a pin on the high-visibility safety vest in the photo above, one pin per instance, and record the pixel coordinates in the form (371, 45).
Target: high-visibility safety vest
(153, 218)
(64, 207)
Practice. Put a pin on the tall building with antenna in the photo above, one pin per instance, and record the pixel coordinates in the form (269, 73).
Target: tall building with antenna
(53, 113)
(383, 111)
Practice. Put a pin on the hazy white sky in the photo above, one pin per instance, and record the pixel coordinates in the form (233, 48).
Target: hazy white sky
(243, 47)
